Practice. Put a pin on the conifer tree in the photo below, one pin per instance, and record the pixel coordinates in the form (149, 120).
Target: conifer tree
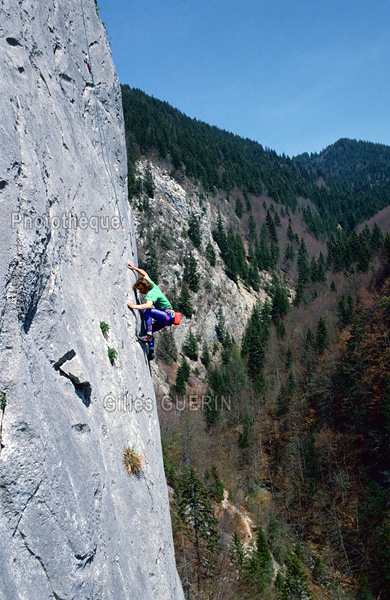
(218, 487)
(245, 439)
(364, 255)
(169, 467)
(271, 227)
(194, 231)
(321, 275)
(318, 573)
(220, 236)
(233, 370)
(134, 184)
(376, 239)
(309, 338)
(205, 357)
(363, 591)
(383, 561)
(237, 552)
(348, 402)
(280, 303)
(275, 252)
(279, 584)
(257, 568)
(190, 346)
(248, 204)
(298, 549)
(290, 233)
(253, 341)
(216, 380)
(220, 326)
(346, 310)
(322, 336)
(150, 263)
(303, 272)
(289, 358)
(254, 277)
(256, 356)
(385, 409)
(295, 585)
(191, 275)
(211, 408)
(234, 256)
(264, 555)
(291, 384)
(273, 531)
(303, 264)
(210, 254)
(280, 328)
(262, 251)
(184, 304)
(239, 209)
(197, 516)
(289, 253)
(167, 350)
(180, 383)
(185, 367)
(313, 270)
(148, 185)
(252, 229)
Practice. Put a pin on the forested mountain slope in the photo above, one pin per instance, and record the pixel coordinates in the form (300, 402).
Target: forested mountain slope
(273, 391)
(220, 160)
(356, 162)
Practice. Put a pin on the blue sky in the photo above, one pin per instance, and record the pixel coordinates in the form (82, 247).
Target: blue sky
(294, 75)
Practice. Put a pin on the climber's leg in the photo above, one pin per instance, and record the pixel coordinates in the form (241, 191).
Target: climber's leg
(161, 319)
(154, 321)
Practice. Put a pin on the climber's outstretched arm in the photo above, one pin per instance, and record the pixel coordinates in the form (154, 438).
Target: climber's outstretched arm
(144, 306)
(140, 271)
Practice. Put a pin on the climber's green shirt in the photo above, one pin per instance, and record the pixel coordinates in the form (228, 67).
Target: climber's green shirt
(157, 297)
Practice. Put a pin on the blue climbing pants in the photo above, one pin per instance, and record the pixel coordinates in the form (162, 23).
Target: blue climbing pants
(156, 320)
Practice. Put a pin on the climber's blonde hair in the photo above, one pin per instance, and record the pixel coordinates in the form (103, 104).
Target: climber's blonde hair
(143, 285)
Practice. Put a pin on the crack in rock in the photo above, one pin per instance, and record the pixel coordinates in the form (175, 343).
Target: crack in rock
(86, 559)
(25, 506)
(12, 41)
(83, 389)
(67, 356)
(81, 428)
(39, 559)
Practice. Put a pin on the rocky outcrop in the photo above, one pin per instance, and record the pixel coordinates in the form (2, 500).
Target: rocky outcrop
(166, 228)
(73, 523)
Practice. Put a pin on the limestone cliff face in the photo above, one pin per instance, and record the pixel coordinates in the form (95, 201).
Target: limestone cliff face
(73, 523)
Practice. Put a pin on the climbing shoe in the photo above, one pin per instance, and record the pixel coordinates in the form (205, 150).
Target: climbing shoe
(145, 338)
(151, 354)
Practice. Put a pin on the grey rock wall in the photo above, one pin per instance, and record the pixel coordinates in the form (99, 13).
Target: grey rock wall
(73, 523)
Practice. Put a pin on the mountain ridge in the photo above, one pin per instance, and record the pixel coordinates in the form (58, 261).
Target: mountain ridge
(350, 159)
(223, 161)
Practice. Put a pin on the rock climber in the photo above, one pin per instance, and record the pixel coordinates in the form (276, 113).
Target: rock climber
(157, 310)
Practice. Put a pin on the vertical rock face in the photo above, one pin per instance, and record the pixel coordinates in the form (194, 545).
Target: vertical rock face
(73, 523)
